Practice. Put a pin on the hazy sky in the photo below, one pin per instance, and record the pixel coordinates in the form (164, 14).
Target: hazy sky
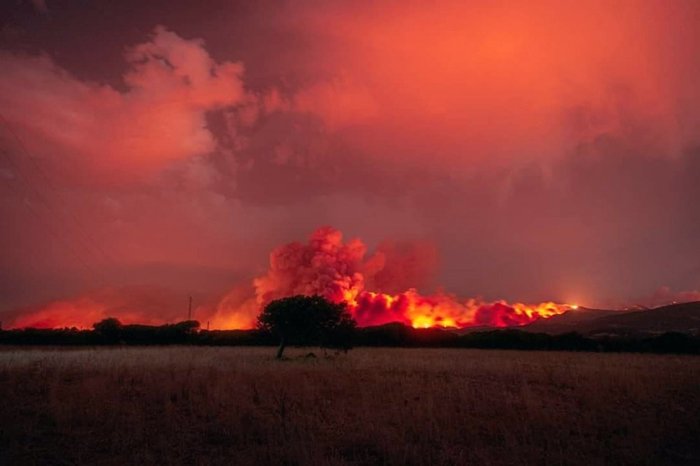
(532, 151)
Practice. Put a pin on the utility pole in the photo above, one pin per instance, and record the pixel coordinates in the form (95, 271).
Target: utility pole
(189, 312)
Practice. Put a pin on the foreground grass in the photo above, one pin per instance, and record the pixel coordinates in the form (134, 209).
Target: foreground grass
(194, 405)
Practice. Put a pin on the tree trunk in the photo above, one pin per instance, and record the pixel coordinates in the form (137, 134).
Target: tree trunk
(280, 350)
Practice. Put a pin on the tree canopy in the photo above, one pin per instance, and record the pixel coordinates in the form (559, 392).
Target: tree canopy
(308, 320)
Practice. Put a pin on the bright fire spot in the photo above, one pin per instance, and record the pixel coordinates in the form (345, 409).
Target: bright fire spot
(411, 308)
(422, 322)
(574, 306)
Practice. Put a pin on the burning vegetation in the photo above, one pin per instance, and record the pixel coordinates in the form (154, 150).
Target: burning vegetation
(374, 287)
(342, 273)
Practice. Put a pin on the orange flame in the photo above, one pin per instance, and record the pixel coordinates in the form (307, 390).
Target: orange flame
(411, 308)
(338, 270)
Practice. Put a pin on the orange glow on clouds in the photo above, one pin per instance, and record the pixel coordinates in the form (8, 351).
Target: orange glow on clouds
(80, 313)
(473, 81)
(469, 93)
(171, 83)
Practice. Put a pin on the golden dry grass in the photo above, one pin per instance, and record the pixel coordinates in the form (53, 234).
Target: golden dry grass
(196, 405)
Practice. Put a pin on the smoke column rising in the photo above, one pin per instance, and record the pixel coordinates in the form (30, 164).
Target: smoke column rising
(339, 271)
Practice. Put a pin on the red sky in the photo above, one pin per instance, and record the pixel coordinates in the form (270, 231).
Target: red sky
(530, 151)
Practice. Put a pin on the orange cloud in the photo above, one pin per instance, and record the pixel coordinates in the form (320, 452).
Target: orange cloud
(468, 82)
(171, 84)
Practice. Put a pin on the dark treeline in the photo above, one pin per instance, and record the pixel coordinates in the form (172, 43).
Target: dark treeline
(111, 332)
(404, 336)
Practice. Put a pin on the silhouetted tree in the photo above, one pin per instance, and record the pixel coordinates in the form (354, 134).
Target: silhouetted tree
(308, 320)
(109, 329)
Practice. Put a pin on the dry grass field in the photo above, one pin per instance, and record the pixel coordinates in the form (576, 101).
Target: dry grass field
(197, 405)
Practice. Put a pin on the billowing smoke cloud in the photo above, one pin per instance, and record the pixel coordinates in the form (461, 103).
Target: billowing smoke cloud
(325, 266)
(339, 271)
(399, 265)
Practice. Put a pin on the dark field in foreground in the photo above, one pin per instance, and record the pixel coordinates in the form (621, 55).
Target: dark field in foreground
(194, 405)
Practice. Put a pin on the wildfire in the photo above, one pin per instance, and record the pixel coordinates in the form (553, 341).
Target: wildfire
(325, 266)
(329, 267)
(411, 308)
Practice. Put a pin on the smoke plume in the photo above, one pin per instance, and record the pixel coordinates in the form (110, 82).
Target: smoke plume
(340, 272)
